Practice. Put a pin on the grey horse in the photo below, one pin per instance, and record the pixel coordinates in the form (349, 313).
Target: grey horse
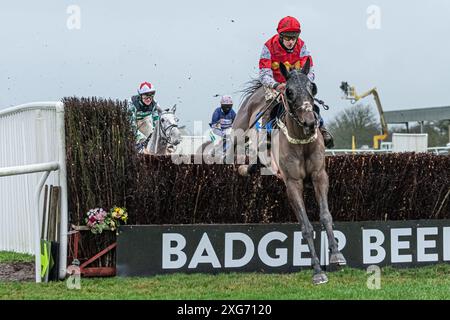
(166, 135)
(299, 155)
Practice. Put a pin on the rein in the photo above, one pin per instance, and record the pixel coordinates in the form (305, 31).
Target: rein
(322, 103)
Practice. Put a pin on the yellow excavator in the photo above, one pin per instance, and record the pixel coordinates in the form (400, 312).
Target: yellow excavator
(350, 94)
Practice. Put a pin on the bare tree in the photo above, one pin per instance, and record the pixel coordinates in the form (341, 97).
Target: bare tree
(359, 121)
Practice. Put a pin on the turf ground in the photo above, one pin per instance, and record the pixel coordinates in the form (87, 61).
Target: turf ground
(431, 282)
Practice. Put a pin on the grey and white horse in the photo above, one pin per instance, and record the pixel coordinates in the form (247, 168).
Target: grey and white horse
(166, 135)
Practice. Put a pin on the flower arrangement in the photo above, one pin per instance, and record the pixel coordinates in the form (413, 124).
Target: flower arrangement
(98, 219)
(120, 214)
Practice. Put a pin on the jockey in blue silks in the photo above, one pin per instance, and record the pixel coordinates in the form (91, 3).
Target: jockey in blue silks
(223, 116)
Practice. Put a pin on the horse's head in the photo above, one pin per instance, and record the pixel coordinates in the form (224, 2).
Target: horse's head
(169, 126)
(300, 92)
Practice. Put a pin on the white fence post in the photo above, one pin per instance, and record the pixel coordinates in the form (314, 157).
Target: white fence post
(60, 125)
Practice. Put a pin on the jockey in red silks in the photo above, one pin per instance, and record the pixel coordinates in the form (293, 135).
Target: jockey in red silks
(288, 48)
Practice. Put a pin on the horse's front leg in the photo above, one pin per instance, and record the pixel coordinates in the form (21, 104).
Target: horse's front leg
(321, 184)
(295, 195)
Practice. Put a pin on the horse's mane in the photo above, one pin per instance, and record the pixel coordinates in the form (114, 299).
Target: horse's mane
(251, 87)
(152, 145)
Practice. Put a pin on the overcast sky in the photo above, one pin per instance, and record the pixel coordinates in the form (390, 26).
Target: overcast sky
(192, 50)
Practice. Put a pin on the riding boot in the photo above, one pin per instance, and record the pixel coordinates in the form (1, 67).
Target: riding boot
(327, 137)
(171, 148)
(141, 145)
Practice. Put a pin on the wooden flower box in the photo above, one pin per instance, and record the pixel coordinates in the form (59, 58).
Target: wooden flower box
(75, 237)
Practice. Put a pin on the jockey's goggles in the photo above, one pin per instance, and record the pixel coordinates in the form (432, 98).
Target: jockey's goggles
(147, 95)
(290, 37)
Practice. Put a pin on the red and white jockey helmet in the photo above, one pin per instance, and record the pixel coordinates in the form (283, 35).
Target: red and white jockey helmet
(146, 87)
(227, 100)
(289, 24)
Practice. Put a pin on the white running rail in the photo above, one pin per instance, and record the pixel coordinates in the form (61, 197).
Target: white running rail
(334, 152)
(32, 140)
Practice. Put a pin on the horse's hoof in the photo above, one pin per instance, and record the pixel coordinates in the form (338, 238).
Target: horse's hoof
(243, 170)
(320, 278)
(338, 259)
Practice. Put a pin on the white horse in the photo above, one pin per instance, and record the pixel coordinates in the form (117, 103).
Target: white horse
(166, 135)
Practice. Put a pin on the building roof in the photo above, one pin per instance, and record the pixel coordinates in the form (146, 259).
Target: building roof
(420, 114)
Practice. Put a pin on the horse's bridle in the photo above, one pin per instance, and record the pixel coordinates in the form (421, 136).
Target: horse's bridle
(166, 133)
(292, 113)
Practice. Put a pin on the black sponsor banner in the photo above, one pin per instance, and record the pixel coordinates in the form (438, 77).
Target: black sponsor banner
(155, 249)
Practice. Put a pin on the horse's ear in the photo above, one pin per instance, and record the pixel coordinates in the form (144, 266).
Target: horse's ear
(174, 108)
(284, 71)
(307, 66)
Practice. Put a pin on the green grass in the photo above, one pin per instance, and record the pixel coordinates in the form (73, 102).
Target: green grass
(431, 282)
(15, 257)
